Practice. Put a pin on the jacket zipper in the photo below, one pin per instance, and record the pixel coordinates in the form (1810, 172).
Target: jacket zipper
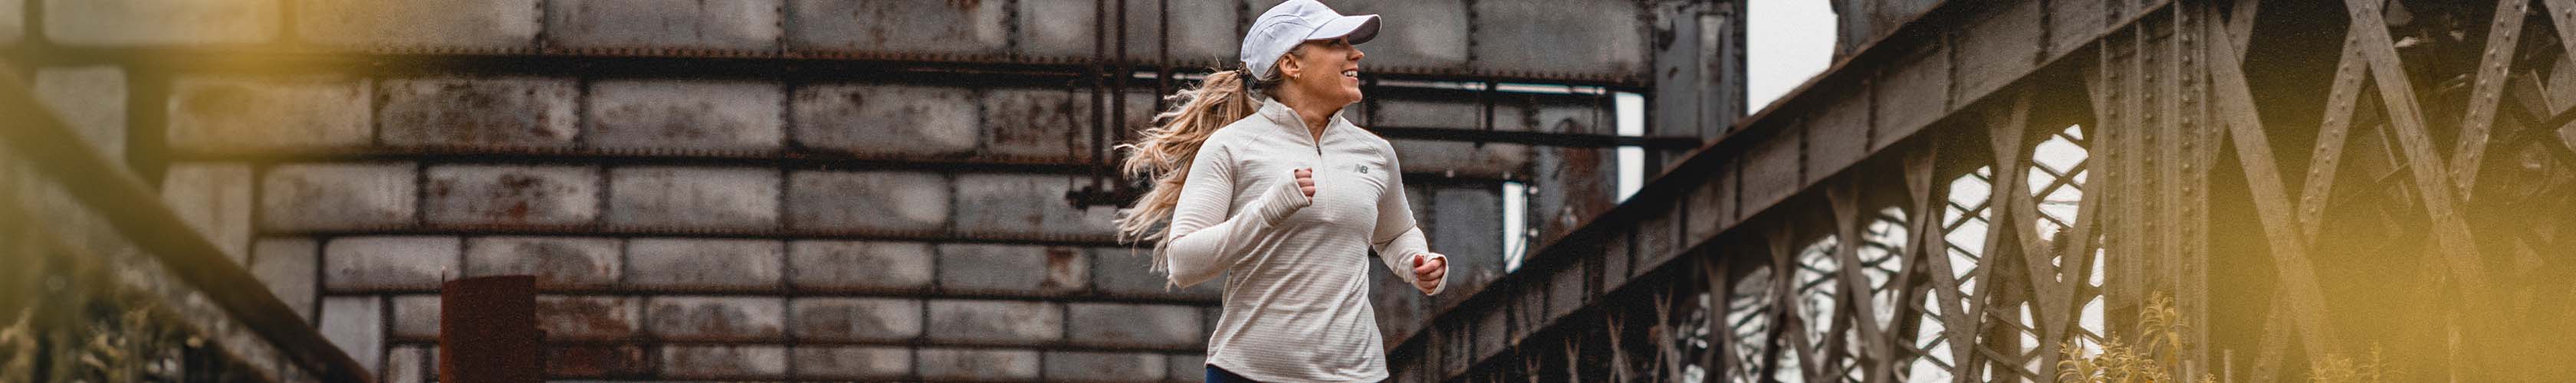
(1316, 139)
(1319, 143)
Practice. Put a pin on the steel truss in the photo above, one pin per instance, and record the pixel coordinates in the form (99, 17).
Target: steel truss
(2425, 146)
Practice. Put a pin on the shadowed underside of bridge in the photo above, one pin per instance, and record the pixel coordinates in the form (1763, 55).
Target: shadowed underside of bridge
(2262, 190)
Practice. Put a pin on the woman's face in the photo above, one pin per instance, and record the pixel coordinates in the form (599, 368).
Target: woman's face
(1326, 69)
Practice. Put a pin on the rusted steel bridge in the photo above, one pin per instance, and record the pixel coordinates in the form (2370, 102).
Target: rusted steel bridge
(1974, 186)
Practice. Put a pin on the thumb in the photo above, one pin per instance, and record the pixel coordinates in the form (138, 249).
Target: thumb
(1417, 260)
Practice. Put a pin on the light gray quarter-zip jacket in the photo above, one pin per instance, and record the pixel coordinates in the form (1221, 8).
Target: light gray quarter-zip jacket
(1297, 306)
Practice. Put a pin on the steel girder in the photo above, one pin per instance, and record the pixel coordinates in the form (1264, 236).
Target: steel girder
(1994, 182)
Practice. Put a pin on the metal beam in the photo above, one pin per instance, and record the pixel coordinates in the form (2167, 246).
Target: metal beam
(1893, 89)
(137, 212)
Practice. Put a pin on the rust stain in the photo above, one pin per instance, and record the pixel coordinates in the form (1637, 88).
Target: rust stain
(825, 323)
(515, 196)
(1061, 270)
(855, 99)
(558, 265)
(1581, 181)
(685, 129)
(462, 112)
(717, 321)
(579, 318)
(595, 361)
(440, 188)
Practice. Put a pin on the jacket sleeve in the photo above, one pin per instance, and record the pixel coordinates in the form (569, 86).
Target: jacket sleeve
(1206, 236)
(1397, 239)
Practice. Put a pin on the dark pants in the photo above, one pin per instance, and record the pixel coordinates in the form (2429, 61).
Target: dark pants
(1219, 375)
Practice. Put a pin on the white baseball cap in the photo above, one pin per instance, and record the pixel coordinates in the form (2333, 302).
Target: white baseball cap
(1294, 22)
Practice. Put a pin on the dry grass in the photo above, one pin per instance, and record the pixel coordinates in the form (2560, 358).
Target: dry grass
(2340, 369)
(18, 348)
(2154, 357)
(133, 345)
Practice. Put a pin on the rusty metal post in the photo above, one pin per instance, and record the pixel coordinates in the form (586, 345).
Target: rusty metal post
(487, 331)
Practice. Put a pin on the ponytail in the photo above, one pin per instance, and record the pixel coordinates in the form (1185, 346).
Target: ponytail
(1164, 152)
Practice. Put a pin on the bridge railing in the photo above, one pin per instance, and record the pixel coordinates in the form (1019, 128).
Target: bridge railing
(2009, 191)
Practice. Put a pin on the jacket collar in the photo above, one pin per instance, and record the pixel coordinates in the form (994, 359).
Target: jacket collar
(1281, 115)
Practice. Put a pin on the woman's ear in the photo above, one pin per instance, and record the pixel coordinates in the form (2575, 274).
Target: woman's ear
(1289, 67)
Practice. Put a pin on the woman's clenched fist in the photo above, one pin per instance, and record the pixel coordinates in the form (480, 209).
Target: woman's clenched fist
(1306, 181)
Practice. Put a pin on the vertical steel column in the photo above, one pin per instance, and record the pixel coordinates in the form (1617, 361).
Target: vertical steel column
(1699, 69)
(487, 331)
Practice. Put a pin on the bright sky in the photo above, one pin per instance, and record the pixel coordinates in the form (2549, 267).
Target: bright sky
(1788, 41)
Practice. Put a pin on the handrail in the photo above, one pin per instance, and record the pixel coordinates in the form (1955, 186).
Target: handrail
(138, 213)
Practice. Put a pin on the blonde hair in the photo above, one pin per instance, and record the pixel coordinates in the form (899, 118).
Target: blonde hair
(1165, 150)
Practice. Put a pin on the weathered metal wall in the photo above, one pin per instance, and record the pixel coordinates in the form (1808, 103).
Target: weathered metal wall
(779, 189)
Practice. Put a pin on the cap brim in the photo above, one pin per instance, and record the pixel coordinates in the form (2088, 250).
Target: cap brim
(1357, 28)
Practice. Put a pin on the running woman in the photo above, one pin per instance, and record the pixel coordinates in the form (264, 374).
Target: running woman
(1257, 175)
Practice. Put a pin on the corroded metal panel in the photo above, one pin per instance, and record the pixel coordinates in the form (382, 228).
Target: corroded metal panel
(1771, 168)
(1606, 40)
(2002, 43)
(900, 28)
(1906, 98)
(1839, 134)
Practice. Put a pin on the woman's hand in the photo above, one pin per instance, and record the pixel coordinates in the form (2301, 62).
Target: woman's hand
(1306, 181)
(1428, 268)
